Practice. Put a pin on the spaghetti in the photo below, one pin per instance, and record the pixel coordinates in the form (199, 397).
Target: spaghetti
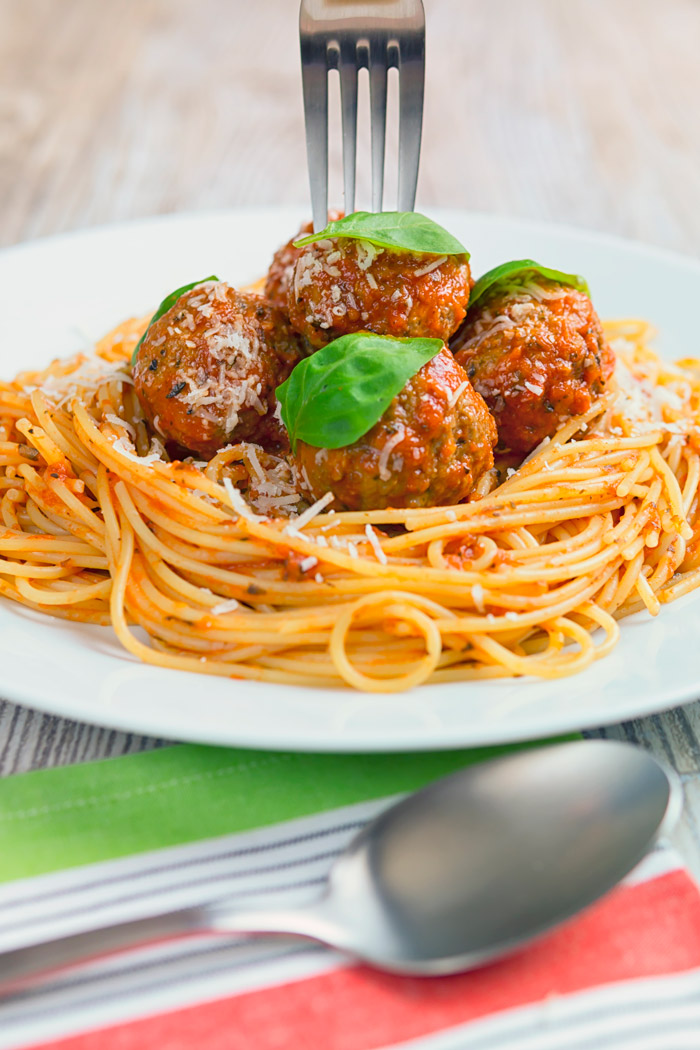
(221, 568)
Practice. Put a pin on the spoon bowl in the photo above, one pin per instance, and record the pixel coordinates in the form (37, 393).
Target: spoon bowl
(497, 854)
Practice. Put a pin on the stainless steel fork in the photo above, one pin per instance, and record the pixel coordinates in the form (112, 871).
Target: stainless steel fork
(349, 35)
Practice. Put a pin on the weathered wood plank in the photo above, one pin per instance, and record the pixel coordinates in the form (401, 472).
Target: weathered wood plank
(580, 112)
(31, 740)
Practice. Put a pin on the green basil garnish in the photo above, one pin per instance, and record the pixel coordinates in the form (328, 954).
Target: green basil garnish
(501, 276)
(169, 301)
(335, 396)
(391, 229)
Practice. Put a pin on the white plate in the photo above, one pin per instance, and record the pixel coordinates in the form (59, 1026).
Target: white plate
(59, 292)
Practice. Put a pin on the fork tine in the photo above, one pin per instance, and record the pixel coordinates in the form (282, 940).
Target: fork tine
(315, 84)
(348, 97)
(348, 35)
(411, 85)
(377, 96)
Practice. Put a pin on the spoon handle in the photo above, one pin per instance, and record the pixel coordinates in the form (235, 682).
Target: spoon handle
(22, 963)
(33, 960)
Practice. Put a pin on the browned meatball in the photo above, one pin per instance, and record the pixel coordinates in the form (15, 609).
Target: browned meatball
(537, 355)
(279, 276)
(342, 285)
(429, 448)
(207, 370)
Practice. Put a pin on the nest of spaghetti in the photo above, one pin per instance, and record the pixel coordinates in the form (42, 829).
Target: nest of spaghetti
(225, 561)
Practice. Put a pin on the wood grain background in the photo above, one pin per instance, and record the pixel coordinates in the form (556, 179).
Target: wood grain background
(583, 112)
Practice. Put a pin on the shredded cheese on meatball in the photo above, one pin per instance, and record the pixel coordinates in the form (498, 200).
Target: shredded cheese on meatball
(389, 446)
(366, 253)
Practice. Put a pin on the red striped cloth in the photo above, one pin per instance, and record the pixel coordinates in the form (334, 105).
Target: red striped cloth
(632, 961)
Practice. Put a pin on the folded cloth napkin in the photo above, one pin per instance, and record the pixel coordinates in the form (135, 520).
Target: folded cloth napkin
(120, 838)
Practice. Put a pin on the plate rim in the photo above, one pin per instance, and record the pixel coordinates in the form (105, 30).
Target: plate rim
(209, 214)
(489, 733)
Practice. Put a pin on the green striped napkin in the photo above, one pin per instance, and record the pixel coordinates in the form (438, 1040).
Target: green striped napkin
(66, 817)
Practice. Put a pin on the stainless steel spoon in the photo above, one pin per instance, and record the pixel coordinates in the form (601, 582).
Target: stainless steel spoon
(452, 876)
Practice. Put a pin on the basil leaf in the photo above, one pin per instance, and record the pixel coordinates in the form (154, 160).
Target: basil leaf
(169, 301)
(335, 396)
(391, 229)
(501, 276)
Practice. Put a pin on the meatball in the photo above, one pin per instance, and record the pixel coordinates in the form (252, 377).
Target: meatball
(537, 355)
(207, 370)
(279, 276)
(429, 448)
(343, 285)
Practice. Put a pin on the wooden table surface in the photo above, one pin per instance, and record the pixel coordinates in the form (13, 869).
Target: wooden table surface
(581, 112)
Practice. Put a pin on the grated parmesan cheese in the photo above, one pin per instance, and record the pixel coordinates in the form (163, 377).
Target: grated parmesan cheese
(255, 464)
(117, 421)
(124, 447)
(225, 607)
(238, 503)
(157, 448)
(311, 513)
(366, 253)
(389, 446)
(457, 394)
(532, 388)
(375, 544)
(430, 267)
(478, 597)
(88, 374)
